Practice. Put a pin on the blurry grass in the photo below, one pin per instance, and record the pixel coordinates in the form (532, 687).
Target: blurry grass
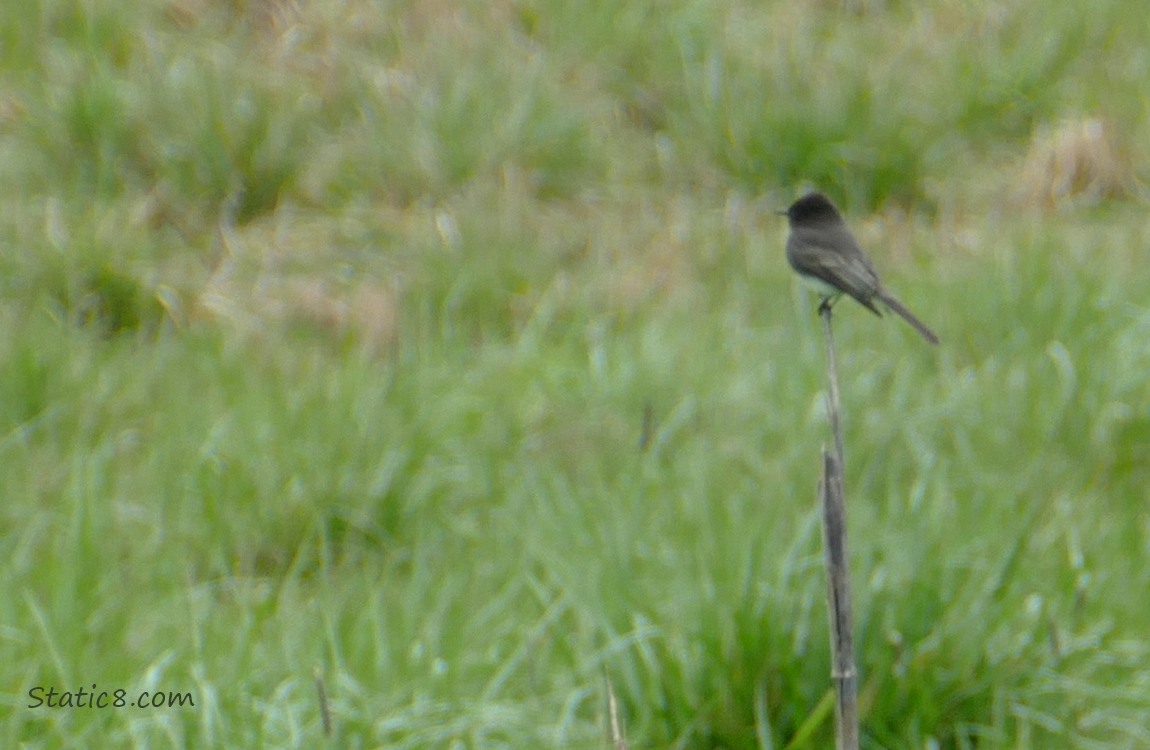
(330, 331)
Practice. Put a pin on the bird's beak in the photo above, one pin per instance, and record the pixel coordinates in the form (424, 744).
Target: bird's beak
(781, 212)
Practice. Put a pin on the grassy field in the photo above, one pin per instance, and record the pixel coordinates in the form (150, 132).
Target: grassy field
(446, 351)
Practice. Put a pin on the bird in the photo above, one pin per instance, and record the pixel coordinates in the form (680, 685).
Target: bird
(827, 257)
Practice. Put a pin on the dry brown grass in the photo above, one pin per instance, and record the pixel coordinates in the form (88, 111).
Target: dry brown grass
(1074, 162)
(286, 272)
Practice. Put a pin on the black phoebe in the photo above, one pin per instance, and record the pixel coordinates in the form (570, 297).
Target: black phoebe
(827, 257)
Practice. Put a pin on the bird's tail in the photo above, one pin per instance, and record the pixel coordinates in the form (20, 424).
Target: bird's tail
(907, 315)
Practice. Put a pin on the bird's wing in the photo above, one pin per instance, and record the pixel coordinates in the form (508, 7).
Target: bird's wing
(831, 254)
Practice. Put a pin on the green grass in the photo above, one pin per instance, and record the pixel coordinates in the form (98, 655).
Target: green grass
(447, 349)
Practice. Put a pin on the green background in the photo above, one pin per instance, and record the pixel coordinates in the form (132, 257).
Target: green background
(447, 350)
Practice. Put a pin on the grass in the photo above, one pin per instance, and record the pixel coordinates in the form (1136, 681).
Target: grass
(332, 333)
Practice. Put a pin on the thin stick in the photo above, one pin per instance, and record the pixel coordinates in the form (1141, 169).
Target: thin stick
(614, 727)
(833, 385)
(839, 607)
(838, 570)
(324, 707)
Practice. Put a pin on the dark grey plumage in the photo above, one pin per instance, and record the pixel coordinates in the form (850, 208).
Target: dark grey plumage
(823, 251)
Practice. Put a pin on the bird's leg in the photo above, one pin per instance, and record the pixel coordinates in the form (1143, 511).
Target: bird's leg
(827, 304)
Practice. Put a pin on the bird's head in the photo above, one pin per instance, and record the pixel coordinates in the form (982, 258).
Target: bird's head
(812, 208)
